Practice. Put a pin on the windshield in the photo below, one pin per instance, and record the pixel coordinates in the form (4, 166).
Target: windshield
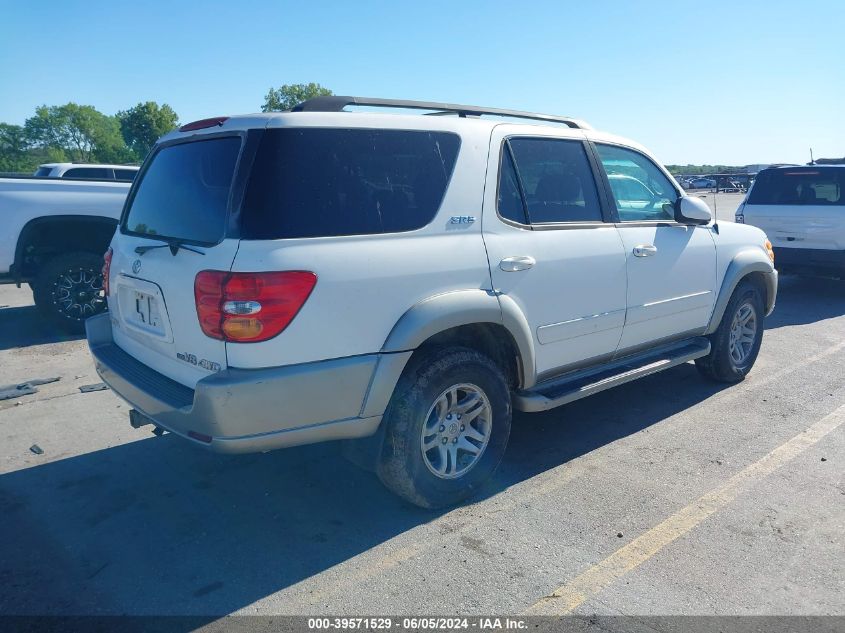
(184, 193)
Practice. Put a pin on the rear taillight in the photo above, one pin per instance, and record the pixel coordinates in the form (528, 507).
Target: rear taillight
(106, 267)
(249, 307)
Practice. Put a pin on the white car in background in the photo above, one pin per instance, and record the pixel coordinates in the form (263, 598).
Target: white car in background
(802, 210)
(87, 171)
(702, 183)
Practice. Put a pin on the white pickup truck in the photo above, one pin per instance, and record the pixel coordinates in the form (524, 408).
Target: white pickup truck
(55, 232)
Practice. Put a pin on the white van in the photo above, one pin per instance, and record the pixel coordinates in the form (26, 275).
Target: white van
(802, 211)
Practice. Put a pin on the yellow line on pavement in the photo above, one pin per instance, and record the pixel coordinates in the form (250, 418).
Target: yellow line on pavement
(522, 494)
(597, 578)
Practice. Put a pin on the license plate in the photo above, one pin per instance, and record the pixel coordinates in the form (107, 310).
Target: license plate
(146, 312)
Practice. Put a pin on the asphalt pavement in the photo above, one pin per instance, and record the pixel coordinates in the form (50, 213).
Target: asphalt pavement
(670, 495)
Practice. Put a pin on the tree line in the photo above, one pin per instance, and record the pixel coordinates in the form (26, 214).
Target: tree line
(81, 133)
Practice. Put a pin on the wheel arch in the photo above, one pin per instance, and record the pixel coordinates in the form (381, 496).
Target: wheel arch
(452, 310)
(749, 264)
(46, 236)
(474, 318)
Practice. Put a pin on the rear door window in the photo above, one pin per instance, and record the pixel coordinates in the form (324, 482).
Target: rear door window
(184, 193)
(550, 179)
(799, 186)
(510, 201)
(319, 182)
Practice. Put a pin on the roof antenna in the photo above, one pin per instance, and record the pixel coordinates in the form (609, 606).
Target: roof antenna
(812, 160)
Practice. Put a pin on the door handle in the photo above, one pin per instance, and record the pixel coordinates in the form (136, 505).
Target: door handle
(644, 250)
(517, 263)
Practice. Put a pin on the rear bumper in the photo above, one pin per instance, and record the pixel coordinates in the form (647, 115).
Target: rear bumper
(810, 260)
(254, 410)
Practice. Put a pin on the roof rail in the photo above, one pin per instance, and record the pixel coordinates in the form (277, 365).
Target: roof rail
(335, 103)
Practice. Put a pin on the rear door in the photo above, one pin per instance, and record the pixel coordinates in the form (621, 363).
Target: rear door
(799, 207)
(175, 226)
(551, 250)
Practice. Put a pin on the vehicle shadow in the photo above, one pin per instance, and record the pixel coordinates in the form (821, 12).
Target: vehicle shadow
(157, 526)
(24, 326)
(804, 300)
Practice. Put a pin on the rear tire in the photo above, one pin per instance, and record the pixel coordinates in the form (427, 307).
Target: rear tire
(68, 290)
(736, 343)
(447, 427)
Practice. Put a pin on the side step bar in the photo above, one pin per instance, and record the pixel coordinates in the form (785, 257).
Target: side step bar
(580, 384)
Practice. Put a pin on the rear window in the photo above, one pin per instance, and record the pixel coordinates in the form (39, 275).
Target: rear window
(319, 182)
(43, 172)
(184, 193)
(799, 186)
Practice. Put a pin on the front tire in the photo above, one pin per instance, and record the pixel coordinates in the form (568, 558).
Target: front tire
(69, 289)
(448, 424)
(736, 343)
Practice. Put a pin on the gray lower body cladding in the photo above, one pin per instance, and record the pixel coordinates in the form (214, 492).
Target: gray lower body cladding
(254, 410)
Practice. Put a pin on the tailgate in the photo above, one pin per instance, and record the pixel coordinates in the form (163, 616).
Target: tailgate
(800, 226)
(154, 317)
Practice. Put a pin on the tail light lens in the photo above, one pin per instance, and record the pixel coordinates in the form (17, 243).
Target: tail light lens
(106, 268)
(249, 307)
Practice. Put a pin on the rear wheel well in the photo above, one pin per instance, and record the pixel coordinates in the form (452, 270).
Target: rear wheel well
(44, 238)
(490, 339)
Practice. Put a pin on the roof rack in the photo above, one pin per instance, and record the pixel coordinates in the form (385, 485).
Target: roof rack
(335, 103)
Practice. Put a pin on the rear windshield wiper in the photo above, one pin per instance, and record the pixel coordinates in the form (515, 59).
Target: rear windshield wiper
(174, 246)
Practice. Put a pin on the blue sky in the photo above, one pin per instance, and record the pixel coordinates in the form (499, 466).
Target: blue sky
(698, 82)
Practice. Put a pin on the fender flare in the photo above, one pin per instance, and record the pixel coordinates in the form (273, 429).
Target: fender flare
(464, 307)
(743, 264)
(35, 223)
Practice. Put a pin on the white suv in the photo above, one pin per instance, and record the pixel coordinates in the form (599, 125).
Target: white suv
(803, 211)
(281, 279)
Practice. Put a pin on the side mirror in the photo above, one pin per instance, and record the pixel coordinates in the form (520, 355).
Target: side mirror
(690, 210)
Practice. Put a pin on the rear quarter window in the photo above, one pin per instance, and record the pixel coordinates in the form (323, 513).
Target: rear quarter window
(798, 186)
(88, 173)
(320, 182)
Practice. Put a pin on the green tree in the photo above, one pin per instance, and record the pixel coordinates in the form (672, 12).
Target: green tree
(13, 146)
(142, 125)
(81, 131)
(284, 98)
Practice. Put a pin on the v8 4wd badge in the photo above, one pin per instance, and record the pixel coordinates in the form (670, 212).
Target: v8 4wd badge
(192, 359)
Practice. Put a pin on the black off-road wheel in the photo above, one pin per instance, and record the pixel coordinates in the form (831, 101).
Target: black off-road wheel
(736, 343)
(447, 427)
(69, 289)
